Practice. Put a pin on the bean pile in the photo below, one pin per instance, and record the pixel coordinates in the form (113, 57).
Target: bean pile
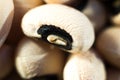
(60, 40)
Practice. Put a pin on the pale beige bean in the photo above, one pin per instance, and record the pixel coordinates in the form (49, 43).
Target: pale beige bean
(34, 59)
(84, 66)
(21, 7)
(108, 45)
(6, 62)
(95, 11)
(6, 16)
(59, 25)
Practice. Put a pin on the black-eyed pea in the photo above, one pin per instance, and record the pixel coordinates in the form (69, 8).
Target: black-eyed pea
(35, 61)
(108, 45)
(84, 66)
(6, 16)
(60, 25)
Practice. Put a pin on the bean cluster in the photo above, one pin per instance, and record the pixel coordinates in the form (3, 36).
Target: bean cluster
(60, 40)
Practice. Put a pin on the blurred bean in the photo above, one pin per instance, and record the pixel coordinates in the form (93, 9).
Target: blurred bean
(34, 60)
(6, 16)
(108, 45)
(84, 66)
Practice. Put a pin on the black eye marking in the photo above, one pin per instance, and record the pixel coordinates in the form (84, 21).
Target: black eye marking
(46, 77)
(46, 30)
